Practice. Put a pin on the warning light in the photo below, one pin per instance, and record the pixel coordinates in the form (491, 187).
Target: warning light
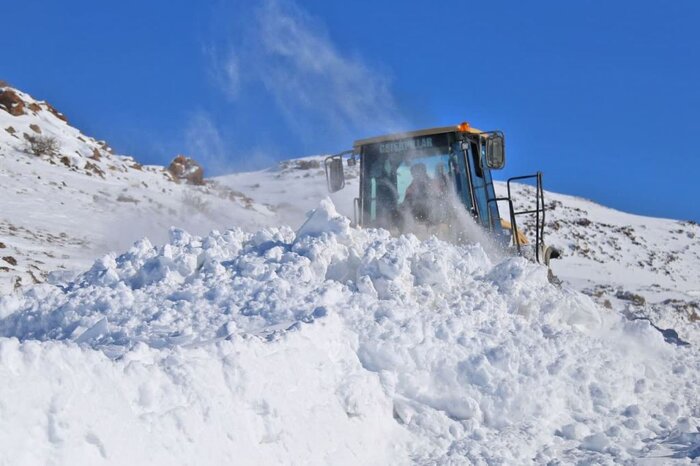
(463, 127)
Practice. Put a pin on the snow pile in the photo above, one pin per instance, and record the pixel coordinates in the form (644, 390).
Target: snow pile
(332, 346)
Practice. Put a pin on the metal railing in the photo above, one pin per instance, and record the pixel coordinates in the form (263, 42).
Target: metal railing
(513, 224)
(538, 211)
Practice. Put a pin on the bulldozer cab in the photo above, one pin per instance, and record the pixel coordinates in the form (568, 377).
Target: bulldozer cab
(429, 180)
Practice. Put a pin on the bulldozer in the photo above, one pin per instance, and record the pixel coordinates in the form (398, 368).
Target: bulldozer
(425, 181)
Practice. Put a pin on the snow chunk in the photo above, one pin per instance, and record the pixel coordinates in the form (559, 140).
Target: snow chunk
(324, 219)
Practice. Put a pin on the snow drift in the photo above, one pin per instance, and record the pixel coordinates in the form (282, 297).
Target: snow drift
(332, 345)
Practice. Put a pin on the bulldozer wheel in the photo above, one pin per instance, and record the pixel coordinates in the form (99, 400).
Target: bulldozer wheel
(551, 253)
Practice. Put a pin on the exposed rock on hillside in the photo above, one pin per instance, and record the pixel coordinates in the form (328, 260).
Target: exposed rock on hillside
(56, 113)
(11, 102)
(186, 169)
(17, 103)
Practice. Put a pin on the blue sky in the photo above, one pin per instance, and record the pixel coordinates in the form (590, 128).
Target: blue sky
(603, 97)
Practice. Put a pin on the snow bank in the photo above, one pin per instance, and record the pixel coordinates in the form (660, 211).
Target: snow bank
(332, 346)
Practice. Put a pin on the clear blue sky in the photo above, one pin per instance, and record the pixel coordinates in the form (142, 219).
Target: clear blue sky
(603, 97)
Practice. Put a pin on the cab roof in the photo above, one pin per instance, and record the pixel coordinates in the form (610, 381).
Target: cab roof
(463, 128)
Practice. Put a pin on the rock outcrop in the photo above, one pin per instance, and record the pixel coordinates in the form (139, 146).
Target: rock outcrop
(11, 102)
(185, 169)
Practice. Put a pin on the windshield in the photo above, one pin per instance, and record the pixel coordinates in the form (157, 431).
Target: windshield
(408, 186)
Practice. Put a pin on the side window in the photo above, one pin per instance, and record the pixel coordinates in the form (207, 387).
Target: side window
(459, 169)
(479, 183)
(478, 171)
(380, 193)
(455, 174)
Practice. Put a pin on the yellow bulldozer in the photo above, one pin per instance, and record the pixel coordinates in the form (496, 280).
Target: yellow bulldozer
(429, 179)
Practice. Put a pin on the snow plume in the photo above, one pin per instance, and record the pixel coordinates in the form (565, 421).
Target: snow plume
(203, 140)
(225, 71)
(451, 221)
(319, 89)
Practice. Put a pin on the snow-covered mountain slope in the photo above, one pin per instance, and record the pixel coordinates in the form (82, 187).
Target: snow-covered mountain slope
(294, 187)
(333, 345)
(77, 200)
(264, 344)
(641, 266)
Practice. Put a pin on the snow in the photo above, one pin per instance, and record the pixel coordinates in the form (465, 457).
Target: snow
(325, 219)
(219, 403)
(386, 349)
(608, 254)
(56, 218)
(227, 337)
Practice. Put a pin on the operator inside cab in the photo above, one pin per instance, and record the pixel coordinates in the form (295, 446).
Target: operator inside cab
(418, 194)
(425, 198)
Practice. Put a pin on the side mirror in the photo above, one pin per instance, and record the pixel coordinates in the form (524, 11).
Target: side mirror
(495, 150)
(335, 178)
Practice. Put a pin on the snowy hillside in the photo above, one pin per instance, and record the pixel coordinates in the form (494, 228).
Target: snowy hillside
(279, 338)
(61, 209)
(640, 266)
